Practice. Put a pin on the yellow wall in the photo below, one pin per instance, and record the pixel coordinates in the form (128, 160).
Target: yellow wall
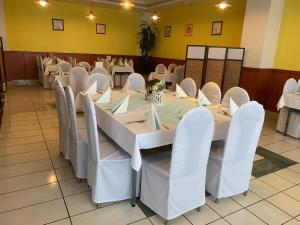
(201, 15)
(29, 28)
(288, 48)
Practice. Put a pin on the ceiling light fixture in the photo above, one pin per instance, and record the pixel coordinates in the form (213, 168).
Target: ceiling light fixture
(223, 5)
(42, 3)
(127, 4)
(91, 14)
(155, 16)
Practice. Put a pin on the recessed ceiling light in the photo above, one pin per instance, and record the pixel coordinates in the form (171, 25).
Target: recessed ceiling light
(223, 5)
(154, 17)
(127, 4)
(42, 3)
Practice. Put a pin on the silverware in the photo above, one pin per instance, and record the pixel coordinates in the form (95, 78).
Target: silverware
(166, 127)
(137, 121)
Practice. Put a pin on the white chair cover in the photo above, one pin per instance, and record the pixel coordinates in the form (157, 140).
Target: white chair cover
(172, 67)
(106, 66)
(293, 130)
(298, 86)
(171, 187)
(134, 81)
(65, 66)
(238, 95)
(177, 77)
(78, 75)
(101, 70)
(108, 166)
(86, 65)
(63, 119)
(160, 68)
(131, 63)
(41, 70)
(102, 81)
(213, 92)
(188, 85)
(229, 168)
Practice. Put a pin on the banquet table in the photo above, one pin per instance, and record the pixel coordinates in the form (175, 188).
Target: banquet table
(133, 135)
(292, 102)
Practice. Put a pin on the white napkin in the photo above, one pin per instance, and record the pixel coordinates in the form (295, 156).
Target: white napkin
(202, 99)
(126, 64)
(60, 72)
(153, 120)
(105, 97)
(233, 107)
(99, 64)
(91, 90)
(180, 93)
(122, 107)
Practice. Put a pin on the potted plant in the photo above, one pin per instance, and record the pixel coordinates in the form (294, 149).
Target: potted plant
(146, 39)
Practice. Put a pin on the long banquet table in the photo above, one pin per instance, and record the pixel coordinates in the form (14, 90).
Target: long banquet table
(133, 135)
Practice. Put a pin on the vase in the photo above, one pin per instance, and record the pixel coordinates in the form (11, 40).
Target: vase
(156, 97)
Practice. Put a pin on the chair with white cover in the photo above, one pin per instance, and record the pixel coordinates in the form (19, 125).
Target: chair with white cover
(135, 82)
(177, 77)
(86, 65)
(106, 66)
(172, 67)
(101, 70)
(108, 166)
(63, 119)
(41, 69)
(130, 63)
(173, 182)
(213, 92)
(230, 163)
(238, 95)
(65, 66)
(293, 130)
(78, 75)
(188, 85)
(160, 68)
(102, 81)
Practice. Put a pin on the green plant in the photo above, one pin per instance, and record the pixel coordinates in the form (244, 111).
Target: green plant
(146, 39)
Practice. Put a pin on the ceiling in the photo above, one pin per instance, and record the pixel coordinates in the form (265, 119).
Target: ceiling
(140, 4)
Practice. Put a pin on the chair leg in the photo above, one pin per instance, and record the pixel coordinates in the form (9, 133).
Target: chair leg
(217, 201)
(98, 205)
(79, 180)
(199, 209)
(166, 222)
(245, 193)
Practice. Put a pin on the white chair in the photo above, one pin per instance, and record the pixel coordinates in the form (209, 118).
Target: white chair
(77, 77)
(108, 166)
(160, 68)
(213, 92)
(230, 165)
(40, 67)
(188, 85)
(134, 81)
(106, 66)
(65, 66)
(177, 77)
(130, 63)
(101, 70)
(238, 95)
(102, 81)
(63, 119)
(86, 65)
(298, 86)
(293, 130)
(172, 67)
(175, 185)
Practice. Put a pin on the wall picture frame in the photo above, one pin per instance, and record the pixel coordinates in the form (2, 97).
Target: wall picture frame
(100, 28)
(58, 25)
(188, 30)
(217, 27)
(167, 31)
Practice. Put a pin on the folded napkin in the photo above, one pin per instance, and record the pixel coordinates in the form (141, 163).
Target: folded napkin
(153, 120)
(60, 72)
(202, 99)
(91, 90)
(122, 107)
(99, 64)
(105, 97)
(233, 107)
(126, 64)
(180, 93)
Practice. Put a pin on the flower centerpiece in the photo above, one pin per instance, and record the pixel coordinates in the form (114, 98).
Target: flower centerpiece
(155, 91)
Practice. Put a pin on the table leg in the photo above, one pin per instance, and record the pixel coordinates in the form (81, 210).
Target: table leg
(133, 184)
(287, 121)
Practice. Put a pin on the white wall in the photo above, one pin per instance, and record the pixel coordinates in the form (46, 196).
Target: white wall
(2, 25)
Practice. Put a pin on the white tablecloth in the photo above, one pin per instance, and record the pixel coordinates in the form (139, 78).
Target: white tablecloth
(289, 100)
(122, 69)
(51, 68)
(133, 137)
(160, 76)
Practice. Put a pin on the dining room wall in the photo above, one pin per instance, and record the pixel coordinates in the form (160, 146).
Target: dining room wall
(29, 28)
(201, 15)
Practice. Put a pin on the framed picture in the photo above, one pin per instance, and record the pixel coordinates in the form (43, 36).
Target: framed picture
(188, 30)
(100, 28)
(167, 32)
(58, 24)
(217, 28)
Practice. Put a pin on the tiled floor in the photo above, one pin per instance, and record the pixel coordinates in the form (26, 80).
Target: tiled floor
(38, 187)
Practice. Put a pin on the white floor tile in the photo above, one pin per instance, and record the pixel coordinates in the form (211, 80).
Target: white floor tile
(245, 201)
(61, 222)
(293, 222)
(289, 175)
(65, 173)
(157, 220)
(220, 222)
(295, 168)
(206, 215)
(286, 203)
(224, 207)
(293, 155)
(142, 222)
(71, 187)
(243, 217)
(280, 147)
(40, 146)
(276, 181)
(294, 192)
(262, 189)
(80, 203)
(23, 158)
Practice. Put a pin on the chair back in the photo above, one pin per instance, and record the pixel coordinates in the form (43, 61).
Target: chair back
(188, 85)
(160, 68)
(178, 77)
(172, 67)
(190, 154)
(102, 81)
(290, 86)
(86, 65)
(92, 131)
(65, 66)
(78, 75)
(130, 63)
(63, 118)
(238, 95)
(241, 143)
(213, 92)
(106, 66)
(135, 81)
(101, 70)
